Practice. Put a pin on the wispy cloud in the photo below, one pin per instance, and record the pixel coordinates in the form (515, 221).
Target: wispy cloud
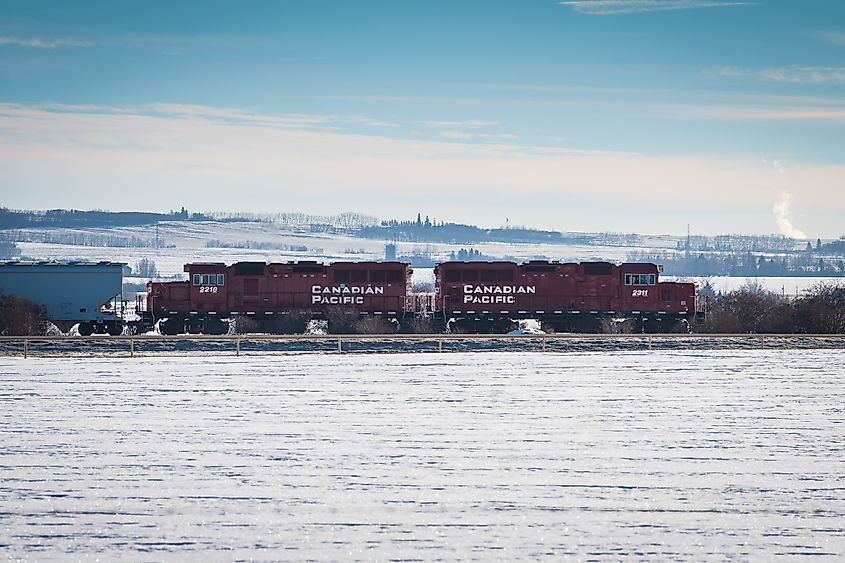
(612, 7)
(837, 38)
(471, 130)
(791, 74)
(36, 43)
(459, 135)
(468, 124)
(828, 115)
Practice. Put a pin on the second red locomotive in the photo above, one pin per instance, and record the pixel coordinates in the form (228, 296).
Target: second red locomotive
(564, 296)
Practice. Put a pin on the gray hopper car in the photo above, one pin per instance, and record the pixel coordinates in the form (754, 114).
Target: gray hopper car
(69, 292)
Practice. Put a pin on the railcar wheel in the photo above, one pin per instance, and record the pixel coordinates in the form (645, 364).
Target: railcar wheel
(85, 329)
(114, 329)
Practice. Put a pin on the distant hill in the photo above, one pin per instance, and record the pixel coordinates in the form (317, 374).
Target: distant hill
(456, 233)
(72, 218)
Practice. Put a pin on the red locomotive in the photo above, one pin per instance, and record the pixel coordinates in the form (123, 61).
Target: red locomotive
(301, 291)
(469, 296)
(488, 296)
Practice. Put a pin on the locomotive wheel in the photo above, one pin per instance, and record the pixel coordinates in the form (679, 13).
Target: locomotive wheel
(85, 329)
(114, 329)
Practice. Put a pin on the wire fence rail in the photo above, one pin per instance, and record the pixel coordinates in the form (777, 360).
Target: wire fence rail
(253, 344)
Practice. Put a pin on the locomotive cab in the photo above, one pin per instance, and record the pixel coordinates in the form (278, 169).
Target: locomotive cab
(638, 287)
(207, 286)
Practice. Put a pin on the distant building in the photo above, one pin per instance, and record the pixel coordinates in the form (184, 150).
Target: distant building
(390, 252)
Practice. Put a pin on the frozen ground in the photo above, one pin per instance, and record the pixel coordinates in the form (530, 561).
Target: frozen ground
(671, 455)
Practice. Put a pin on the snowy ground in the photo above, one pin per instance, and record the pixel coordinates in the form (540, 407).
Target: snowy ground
(789, 286)
(692, 456)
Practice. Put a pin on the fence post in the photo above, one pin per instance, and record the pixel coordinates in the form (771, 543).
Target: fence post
(543, 340)
(25, 348)
(439, 344)
(339, 345)
(131, 347)
(237, 346)
(649, 342)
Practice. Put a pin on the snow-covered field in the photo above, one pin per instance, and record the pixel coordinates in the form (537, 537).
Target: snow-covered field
(705, 455)
(189, 239)
(789, 286)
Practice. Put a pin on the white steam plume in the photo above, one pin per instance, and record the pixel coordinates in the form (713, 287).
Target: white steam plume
(783, 215)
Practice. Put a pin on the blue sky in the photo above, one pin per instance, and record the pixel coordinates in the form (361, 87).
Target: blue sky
(620, 115)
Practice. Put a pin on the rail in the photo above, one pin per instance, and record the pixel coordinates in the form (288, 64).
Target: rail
(237, 345)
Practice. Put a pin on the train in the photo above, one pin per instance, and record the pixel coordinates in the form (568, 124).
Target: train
(473, 297)
(284, 297)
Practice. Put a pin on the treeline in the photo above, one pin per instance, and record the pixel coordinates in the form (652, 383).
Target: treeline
(256, 245)
(8, 248)
(85, 239)
(833, 247)
(739, 243)
(456, 233)
(821, 310)
(741, 264)
(469, 255)
(74, 218)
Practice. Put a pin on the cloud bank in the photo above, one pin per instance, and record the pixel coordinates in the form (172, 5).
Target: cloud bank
(36, 43)
(613, 7)
(163, 156)
(792, 74)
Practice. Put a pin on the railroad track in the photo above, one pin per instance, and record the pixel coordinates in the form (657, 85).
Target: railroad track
(252, 344)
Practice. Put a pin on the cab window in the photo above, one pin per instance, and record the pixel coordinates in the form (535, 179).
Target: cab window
(640, 279)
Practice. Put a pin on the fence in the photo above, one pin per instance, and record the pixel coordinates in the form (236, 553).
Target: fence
(238, 345)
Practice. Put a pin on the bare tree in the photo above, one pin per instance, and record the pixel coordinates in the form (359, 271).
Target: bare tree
(146, 268)
(21, 317)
